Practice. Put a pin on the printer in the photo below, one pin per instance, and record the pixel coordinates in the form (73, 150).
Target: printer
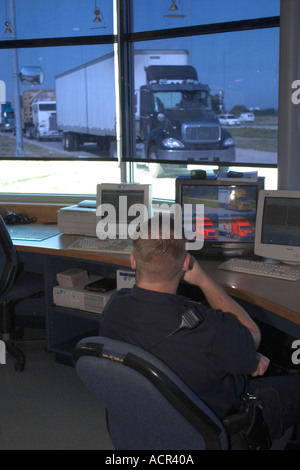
(79, 219)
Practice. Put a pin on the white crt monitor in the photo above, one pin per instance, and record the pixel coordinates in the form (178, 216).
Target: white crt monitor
(109, 193)
(277, 235)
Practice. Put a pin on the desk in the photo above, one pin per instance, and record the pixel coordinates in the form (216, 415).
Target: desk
(277, 301)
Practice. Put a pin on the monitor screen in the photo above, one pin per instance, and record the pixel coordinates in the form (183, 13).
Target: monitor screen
(229, 213)
(122, 204)
(278, 226)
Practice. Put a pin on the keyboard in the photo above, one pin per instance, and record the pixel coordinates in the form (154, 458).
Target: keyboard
(260, 268)
(117, 246)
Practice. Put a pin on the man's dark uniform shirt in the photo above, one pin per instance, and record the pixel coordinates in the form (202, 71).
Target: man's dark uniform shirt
(213, 359)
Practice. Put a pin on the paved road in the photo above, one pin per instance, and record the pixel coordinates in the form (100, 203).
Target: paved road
(242, 155)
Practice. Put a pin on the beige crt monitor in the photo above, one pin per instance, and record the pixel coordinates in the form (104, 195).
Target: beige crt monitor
(121, 216)
(277, 235)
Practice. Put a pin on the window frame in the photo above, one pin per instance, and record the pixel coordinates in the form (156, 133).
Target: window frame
(124, 40)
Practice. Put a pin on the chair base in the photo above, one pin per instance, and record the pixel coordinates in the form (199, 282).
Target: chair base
(17, 354)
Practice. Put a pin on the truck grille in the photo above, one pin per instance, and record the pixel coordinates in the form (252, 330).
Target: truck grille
(195, 132)
(52, 122)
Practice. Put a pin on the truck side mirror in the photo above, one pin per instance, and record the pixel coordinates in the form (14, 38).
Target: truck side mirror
(31, 75)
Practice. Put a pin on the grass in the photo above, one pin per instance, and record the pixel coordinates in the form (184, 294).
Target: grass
(8, 149)
(34, 150)
(255, 138)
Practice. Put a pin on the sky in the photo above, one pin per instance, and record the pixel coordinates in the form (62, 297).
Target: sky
(245, 65)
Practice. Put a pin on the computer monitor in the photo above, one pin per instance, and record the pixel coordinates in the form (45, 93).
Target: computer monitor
(278, 226)
(229, 213)
(119, 216)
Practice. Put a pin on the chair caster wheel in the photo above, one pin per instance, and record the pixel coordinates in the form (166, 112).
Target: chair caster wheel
(19, 367)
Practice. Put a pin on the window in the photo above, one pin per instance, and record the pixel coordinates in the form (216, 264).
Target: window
(68, 150)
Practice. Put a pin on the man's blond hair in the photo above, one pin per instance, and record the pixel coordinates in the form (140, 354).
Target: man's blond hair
(159, 258)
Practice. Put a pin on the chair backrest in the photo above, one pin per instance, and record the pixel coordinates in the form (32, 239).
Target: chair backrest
(148, 406)
(8, 259)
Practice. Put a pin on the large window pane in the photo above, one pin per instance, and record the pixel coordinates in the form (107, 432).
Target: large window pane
(77, 97)
(157, 14)
(38, 19)
(180, 120)
(240, 68)
(56, 177)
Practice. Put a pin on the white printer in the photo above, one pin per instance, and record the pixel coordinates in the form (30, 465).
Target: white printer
(79, 219)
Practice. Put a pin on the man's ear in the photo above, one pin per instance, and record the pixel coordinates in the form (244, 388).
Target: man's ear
(186, 262)
(132, 261)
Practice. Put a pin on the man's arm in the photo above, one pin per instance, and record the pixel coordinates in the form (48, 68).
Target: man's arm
(218, 299)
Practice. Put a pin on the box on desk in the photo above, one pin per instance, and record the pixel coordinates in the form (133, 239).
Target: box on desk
(81, 299)
(72, 277)
(125, 278)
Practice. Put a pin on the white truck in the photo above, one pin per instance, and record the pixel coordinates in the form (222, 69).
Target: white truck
(39, 116)
(173, 113)
(234, 199)
(44, 124)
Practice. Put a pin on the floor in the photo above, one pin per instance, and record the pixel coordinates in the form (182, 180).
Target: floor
(46, 407)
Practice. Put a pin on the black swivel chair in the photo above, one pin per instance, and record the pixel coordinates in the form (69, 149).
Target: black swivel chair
(15, 286)
(148, 407)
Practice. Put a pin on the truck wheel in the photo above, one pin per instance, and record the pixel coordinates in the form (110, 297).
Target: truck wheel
(113, 151)
(63, 141)
(28, 133)
(68, 141)
(156, 169)
(104, 145)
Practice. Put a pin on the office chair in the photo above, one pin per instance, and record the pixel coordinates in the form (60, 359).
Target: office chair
(148, 407)
(15, 285)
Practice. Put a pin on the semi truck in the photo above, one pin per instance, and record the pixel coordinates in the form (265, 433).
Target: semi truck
(234, 199)
(173, 114)
(236, 227)
(208, 228)
(39, 115)
(7, 118)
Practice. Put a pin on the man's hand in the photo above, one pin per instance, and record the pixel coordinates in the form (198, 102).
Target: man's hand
(262, 365)
(194, 274)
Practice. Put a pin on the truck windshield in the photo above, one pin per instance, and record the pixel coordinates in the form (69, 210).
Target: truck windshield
(167, 100)
(47, 107)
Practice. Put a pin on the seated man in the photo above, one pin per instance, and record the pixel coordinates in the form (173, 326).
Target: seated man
(216, 357)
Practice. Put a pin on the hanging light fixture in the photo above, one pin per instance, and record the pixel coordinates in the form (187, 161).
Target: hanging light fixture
(7, 23)
(99, 18)
(174, 9)
(97, 12)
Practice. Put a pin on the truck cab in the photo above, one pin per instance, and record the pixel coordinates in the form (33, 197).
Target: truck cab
(204, 228)
(44, 120)
(176, 120)
(241, 229)
(7, 122)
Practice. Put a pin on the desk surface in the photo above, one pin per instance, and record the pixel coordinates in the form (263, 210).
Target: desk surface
(58, 245)
(277, 296)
